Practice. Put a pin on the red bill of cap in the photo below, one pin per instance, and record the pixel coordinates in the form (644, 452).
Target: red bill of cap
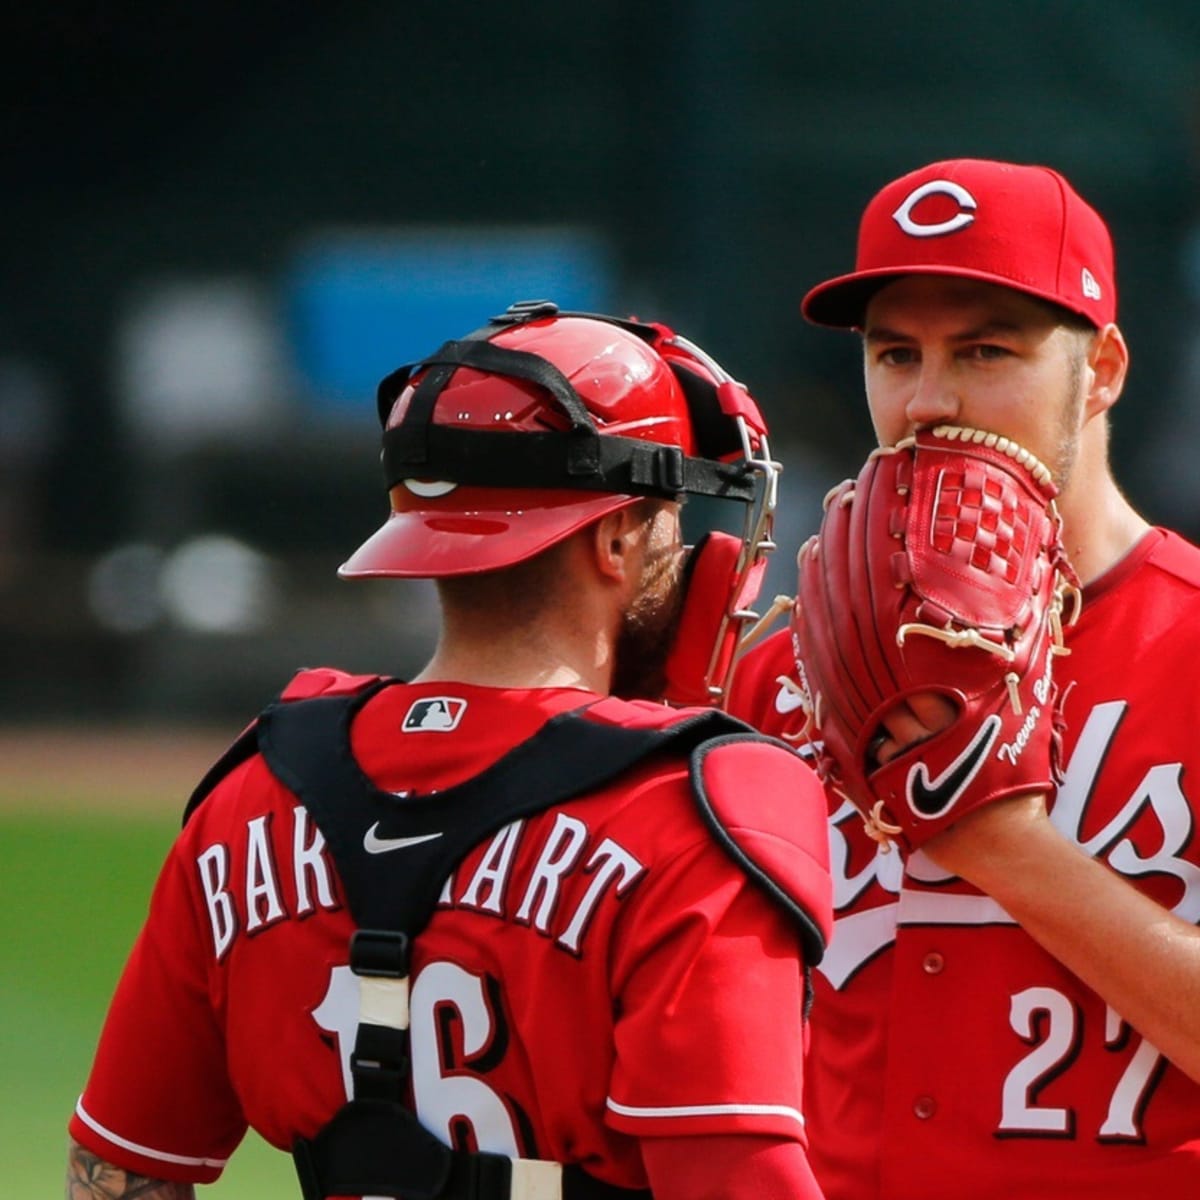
(1022, 227)
(473, 530)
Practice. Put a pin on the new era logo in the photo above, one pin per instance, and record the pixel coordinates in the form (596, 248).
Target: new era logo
(1091, 289)
(435, 714)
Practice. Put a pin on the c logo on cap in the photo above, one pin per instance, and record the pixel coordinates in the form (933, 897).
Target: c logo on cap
(935, 187)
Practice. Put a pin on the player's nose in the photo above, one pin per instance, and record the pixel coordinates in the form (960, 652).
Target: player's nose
(934, 399)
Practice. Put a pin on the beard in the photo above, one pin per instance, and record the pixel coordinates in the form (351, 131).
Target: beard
(1067, 448)
(647, 631)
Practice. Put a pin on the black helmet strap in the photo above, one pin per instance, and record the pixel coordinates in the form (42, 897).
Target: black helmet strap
(579, 458)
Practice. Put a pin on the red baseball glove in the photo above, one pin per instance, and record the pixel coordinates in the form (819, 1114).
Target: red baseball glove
(939, 570)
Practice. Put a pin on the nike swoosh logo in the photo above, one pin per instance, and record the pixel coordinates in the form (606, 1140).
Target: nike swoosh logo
(374, 844)
(936, 797)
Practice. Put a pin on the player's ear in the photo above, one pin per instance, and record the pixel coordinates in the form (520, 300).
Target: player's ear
(1107, 364)
(617, 540)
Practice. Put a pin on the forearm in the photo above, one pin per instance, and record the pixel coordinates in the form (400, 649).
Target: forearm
(90, 1178)
(1141, 959)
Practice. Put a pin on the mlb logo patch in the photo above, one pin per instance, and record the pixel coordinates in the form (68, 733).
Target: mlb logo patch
(434, 714)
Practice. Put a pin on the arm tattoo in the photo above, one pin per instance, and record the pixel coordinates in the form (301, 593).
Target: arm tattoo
(91, 1178)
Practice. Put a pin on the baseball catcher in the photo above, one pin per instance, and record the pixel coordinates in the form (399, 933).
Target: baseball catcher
(926, 627)
(484, 934)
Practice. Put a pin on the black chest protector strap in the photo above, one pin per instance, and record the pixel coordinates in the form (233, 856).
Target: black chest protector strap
(393, 854)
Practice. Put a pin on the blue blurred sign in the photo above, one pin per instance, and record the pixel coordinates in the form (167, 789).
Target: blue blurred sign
(360, 304)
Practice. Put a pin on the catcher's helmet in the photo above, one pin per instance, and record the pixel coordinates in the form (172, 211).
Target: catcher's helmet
(502, 443)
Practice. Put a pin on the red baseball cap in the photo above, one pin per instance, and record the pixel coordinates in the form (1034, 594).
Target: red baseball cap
(1022, 227)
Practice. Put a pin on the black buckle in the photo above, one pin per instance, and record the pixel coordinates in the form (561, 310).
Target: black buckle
(379, 1063)
(382, 952)
(526, 310)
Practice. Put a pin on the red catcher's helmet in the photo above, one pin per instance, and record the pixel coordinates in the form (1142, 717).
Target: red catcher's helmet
(507, 441)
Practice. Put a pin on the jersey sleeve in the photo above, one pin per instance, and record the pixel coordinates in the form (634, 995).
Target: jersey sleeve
(158, 1100)
(732, 1167)
(710, 992)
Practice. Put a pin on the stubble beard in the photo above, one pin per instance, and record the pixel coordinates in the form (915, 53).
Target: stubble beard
(1066, 451)
(648, 629)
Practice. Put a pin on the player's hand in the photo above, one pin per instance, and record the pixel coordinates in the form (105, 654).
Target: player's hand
(983, 839)
(929, 613)
(987, 841)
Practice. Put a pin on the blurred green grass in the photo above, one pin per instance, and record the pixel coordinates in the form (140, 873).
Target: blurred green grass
(74, 886)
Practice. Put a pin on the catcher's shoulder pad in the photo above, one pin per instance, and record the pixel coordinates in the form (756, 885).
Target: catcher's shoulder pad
(650, 714)
(325, 681)
(763, 805)
(304, 685)
(767, 809)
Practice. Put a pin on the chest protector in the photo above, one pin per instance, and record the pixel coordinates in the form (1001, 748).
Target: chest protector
(374, 1145)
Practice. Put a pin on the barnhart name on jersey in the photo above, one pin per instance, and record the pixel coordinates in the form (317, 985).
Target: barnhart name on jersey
(273, 888)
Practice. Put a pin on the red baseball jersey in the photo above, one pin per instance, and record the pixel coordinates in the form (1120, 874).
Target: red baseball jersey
(950, 1054)
(572, 993)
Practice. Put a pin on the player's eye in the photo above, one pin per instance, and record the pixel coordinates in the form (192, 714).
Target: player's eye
(897, 356)
(988, 351)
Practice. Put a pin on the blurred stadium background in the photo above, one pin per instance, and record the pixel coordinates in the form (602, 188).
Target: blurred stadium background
(222, 224)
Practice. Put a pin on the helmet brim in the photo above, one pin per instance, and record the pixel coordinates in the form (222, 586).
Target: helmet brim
(475, 535)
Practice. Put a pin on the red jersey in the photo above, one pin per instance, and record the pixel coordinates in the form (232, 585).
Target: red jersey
(951, 1055)
(570, 994)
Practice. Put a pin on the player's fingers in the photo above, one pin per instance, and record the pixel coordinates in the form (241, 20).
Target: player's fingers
(899, 729)
(932, 710)
(908, 723)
